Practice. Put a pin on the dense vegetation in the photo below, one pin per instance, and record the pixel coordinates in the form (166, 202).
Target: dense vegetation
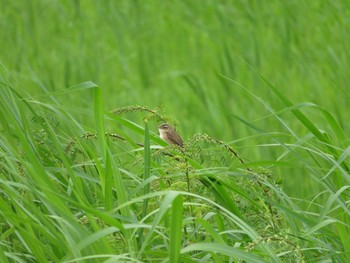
(256, 89)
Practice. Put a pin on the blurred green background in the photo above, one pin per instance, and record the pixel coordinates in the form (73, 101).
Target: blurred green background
(179, 54)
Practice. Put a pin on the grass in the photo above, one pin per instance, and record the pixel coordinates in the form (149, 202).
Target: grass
(256, 90)
(82, 197)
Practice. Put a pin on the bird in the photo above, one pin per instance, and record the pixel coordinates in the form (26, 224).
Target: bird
(168, 134)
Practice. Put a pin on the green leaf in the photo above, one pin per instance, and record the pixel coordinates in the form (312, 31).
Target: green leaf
(176, 230)
(230, 251)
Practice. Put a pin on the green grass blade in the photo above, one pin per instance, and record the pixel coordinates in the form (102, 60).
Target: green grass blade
(146, 176)
(176, 229)
(230, 251)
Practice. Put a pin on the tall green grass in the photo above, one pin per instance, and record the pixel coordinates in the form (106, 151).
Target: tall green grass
(73, 195)
(266, 79)
(172, 54)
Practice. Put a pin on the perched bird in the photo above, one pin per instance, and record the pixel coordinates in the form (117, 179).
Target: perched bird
(168, 134)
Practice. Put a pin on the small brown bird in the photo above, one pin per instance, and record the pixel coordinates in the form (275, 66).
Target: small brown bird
(168, 134)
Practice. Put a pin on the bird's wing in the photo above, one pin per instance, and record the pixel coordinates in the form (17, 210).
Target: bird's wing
(175, 139)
